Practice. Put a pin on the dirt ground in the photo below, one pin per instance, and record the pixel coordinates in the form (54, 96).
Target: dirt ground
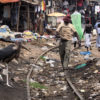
(86, 79)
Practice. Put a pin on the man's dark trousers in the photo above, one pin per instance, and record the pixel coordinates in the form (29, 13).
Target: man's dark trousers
(64, 51)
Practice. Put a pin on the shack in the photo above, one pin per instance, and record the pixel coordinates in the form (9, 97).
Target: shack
(20, 16)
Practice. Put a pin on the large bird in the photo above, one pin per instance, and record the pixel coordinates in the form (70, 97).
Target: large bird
(7, 54)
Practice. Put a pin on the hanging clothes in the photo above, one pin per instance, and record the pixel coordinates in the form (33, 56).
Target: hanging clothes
(7, 15)
(39, 8)
(7, 12)
(14, 15)
(36, 9)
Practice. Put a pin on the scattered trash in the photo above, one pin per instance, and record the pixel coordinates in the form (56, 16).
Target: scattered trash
(44, 48)
(48, 61)
(16, 79)
(75, 56)
(32, 80)
(93, 95)
(5, 32)
(40, 63)
(62, 74)
(82, 82)
(76, 61)
(51, 62)
(96, 71)
(18, 40)
(28, 33)
(82, 91)
(54, 92)
(37, 69)
(86, 57)
(85, 53)
(50, 44)
(1, 78)
(63, 88)
(5, 28)
(80, 66)
(36, 36)
(18, 35)
(50, 75)
(98, 63)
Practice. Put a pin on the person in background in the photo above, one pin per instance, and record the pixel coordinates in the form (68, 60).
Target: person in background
(65, 4)
(41, 25)
(75, 40)
(65, 31)
(93, 19)
(87, 35)
(87, 14)
(97, 27)
(80, 4)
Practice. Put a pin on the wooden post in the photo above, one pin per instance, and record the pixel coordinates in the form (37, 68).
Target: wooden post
(76, 5)
(18, 16)
(28, 17)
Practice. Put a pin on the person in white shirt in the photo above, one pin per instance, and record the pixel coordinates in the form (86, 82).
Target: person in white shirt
(97, 26)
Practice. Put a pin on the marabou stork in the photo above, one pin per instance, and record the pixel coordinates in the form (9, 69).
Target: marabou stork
(7, 54)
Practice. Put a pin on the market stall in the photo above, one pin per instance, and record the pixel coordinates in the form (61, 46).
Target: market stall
(53, 20)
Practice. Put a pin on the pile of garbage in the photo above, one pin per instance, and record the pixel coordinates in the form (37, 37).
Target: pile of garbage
(5, 32)
(27, 35)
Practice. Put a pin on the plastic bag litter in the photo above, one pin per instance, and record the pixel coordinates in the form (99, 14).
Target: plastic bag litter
(85, 53)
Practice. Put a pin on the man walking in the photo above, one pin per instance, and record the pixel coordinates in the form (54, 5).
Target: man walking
(66, 31)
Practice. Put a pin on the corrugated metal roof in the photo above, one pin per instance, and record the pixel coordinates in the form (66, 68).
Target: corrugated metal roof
(34, 2)
(8, 1)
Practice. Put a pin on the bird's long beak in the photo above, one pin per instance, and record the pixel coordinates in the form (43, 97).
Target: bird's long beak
(25, 48)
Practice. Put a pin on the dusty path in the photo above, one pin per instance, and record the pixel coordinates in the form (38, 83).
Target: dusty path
(50, 76)
(9, 93)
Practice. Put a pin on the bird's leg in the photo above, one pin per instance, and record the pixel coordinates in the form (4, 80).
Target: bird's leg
(7, 77)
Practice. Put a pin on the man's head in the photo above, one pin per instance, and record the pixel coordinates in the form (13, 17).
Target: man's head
(67, 19)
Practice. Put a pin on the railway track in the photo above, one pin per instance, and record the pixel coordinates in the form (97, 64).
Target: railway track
(71, 94)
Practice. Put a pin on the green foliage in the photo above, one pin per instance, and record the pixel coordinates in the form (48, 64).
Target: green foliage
(80, 66)
(37, 85)
(42, 57)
